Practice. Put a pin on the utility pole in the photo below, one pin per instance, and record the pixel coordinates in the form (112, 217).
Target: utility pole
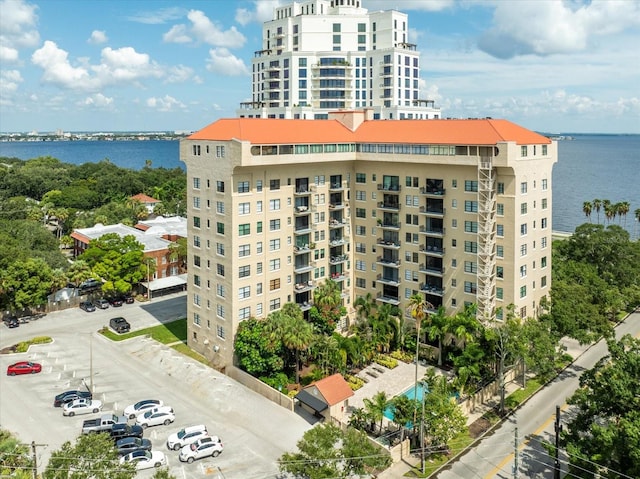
(34, 458)
(558, 429)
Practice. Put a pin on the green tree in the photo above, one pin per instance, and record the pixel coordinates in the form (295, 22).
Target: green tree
(438, 328)
(15, 458)
(376, 407)
(288, 326)
(443, 419)
(326, 452)
(597, 204)
(26, 283)
(255, 352)
(605, 430)
(92, 456)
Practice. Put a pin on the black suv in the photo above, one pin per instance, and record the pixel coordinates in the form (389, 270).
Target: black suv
(87, 306)
(89, 285)
(120, 431)
(12, 322)
(68, 396)
(120, 325)
(127, 445)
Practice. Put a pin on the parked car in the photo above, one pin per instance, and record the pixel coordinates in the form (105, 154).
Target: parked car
(89, 285)
(155, 417)
(120, 431)
(23, 367)
(205, 447)
(128, 445)
(12, 322)
(102, 424)
(145, 459)
(186, 436)
(81, 406)
(116, 301)
(120, 325)
(128, 299)
(138, 408)
(102, 303)
(87, 306)
(68, 396)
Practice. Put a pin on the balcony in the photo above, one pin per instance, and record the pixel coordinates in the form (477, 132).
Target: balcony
(305, 305)
(338, 241)
(302, 287)
(435, 192)
(391, 281)
(432, 289)
(389, 206)
(301, 249)
(390, 225)
(336, 187)
(388, 299)
(432, 250)
(341, 258)
(436, 212)
(302, 267)
(431, 231)
(302, 229)
(395, 244)
(337, 224)
(302, 190)
(337, 206)
(394, 188)
(339, 276)
(432, 270)
(301, 210)
(394, 263)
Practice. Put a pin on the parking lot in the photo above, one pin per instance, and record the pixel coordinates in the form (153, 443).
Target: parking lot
(254, 431)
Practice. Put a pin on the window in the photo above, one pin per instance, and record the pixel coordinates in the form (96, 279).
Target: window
(259, 268)
(220, 151)
(501, 188)
(361, 195)
(523, 229)
(470, 287)
(523, 208)
(361, 213)
(220, 186)
(543, 223)
(220, 249)
(500, 230)
(470, 267)
(543, 242)
(454, 183)
(361, 265)
(274, 284)
(196, 202)
(361, 230)
(471, 206)
(244, 229)
(523, 150)
(470, 247)
(220, 311)
(196, 221)
(471, 185)
(244, 271)
(196, 260)
(220, 228)
(523, 250)
(543, 262)
(544, 203)
(544, 150)
(244, 292)
(196, 280)
(523, 291)
(259, 227)
(244, 250)
(220, 331)
(500, 251)
(523, 187)
(243, 187)
(220, 207)
(471, 226)
(499, 293)
(361, 177)
(244, 313)
(361, 283)
(196, 183)
(274, 185)
(274, 304)
(543, 281)
(196, 241)
(523, 271)
(544, 184)
(499, 272)
(274, 225)
(500, 209)
(274, 244)
(220, 290)
(274, 264)
(274, 205)
(244, 208)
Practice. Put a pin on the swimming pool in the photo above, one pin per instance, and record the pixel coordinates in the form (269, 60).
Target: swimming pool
(410, 393)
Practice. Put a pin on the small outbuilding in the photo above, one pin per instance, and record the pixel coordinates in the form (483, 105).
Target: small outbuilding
(327, 398)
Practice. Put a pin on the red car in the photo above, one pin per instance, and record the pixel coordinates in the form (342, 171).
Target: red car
(24, 367)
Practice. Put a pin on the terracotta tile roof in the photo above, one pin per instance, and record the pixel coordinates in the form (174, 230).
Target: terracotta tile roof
(333, 388)
(142, 198)
(442, 132)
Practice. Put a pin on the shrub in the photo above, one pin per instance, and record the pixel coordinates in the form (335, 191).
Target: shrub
(403, 356)
(386, 361)
(354, 382)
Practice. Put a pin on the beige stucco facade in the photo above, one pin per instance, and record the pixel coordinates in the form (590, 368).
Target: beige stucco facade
(463, 223)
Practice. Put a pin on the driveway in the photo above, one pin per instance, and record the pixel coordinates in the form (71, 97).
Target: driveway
(254, 431)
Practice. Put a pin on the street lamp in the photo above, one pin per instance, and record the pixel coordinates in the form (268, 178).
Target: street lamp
(148, 280)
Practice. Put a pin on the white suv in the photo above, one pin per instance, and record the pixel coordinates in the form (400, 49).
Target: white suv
(186, 436)
(205, 447)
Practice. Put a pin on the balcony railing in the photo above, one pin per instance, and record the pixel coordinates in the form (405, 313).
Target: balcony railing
(432, 191)
(432, 211)
(389, 244)
(432, 289)
(432, 231)
(388, 261)
(432, 250)
(389, 206)
(395, 188)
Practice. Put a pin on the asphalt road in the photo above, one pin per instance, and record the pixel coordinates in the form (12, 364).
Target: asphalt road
(495, 458)
(254, 431)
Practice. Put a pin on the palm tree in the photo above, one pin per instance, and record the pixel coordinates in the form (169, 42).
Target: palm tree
(364, 305)
(438, 328)
(609, 211)
(636, 213)
(295, 333)
(419, 310)
(586, 208)
(465, 325)
(623, 209)
(377, 406)
(597, 204)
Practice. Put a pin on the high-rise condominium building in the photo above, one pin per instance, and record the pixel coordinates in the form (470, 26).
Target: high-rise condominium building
(320, 55)
(456, 210)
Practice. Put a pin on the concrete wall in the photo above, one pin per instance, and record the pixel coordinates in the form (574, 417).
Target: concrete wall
(258, 386)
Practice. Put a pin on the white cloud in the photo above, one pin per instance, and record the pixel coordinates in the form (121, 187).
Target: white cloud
(164, 104)
(221, 61)
(179, 74)
(262, 12)
(8, 54)
(97, 37)
(121, 66)
(98, 100)
(157, 17)
(406, 5)
(18, 30)
(546, 28)
(9, 82)
(177, 34)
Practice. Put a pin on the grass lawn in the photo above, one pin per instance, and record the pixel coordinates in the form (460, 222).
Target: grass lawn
(175, 331)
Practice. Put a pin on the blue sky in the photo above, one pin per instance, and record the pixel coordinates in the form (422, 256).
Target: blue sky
(147, 65)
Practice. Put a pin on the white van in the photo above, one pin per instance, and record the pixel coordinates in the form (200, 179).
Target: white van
(186, 436)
